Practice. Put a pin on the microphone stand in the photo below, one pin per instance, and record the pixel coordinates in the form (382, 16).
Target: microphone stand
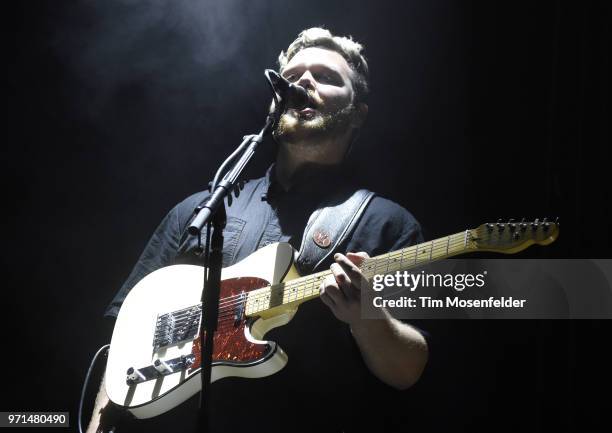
(213, 213)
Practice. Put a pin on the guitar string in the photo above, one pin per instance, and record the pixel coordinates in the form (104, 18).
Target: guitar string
(303, 281)
(227, 308)
(376, 264)
(382, 261)
(227, 312)
(379, 261)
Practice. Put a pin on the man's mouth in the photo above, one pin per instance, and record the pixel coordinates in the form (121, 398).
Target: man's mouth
(306, 113)
(310, 105)
(307, 110)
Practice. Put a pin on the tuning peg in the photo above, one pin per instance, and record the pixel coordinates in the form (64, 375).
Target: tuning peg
(534, 225)
(490, 227)
(557, 221)
(523, 224)
(511, 224)
(546, 224)
(516, 235)
(500, 225)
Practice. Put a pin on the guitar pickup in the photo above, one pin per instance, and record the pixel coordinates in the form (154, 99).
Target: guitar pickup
(159, 369)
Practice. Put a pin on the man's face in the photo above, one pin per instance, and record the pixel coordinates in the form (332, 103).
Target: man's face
(326, 76)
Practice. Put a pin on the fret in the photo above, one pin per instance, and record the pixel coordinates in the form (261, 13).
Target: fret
(397, 260)
(413, 250)
(379, 263)
(299, 292)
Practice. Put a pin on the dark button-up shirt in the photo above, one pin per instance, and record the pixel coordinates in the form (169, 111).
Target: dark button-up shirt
(325, 386)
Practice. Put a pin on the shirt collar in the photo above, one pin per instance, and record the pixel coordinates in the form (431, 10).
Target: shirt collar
(316, 181)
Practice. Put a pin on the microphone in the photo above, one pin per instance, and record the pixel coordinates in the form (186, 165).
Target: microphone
(295, 96)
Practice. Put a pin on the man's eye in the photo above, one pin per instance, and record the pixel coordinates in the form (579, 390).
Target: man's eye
(325, 78)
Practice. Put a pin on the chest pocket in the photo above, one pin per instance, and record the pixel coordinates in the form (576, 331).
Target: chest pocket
(231, 236)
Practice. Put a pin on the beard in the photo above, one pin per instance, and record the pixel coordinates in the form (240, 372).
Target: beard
(295, 128)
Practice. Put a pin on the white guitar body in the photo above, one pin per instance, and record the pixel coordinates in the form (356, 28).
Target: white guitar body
(154, 358)
(179, 287)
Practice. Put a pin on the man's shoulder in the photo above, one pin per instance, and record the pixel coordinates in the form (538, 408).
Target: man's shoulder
(385, 210)
(385, 226)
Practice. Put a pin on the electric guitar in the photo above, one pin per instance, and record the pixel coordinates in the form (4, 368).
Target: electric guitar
(154, 358)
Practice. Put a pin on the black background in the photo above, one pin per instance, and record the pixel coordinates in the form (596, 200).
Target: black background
(117, 110)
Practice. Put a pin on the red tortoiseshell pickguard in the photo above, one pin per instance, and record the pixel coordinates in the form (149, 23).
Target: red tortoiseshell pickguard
(230, 344)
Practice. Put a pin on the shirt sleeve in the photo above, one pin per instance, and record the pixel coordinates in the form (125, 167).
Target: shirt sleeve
(384, 227)
(160, 251)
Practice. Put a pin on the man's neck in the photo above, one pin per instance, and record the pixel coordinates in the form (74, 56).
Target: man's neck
(294, 160)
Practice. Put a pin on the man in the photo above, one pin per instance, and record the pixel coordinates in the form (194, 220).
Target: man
(312, 145)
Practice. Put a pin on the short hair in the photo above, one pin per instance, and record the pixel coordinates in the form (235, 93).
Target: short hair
(345, 46)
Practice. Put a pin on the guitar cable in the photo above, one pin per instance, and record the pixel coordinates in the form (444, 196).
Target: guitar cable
(91, 366)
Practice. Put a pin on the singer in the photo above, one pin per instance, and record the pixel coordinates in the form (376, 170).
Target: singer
(323, 387)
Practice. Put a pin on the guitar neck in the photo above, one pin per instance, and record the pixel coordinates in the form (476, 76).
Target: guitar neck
(294, 292)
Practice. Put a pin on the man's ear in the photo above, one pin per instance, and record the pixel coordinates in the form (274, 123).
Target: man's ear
(361, 113)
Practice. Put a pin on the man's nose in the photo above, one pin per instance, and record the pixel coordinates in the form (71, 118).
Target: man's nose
(307, 81)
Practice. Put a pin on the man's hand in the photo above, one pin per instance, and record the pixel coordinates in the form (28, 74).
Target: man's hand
(394, 352)
(341, 291)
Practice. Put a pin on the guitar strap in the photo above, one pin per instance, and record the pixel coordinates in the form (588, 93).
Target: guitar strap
(329, 227)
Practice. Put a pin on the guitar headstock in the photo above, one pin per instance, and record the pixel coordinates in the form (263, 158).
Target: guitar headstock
(511, 237)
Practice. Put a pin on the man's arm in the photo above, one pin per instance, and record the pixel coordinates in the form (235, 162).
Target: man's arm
(393, 351)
